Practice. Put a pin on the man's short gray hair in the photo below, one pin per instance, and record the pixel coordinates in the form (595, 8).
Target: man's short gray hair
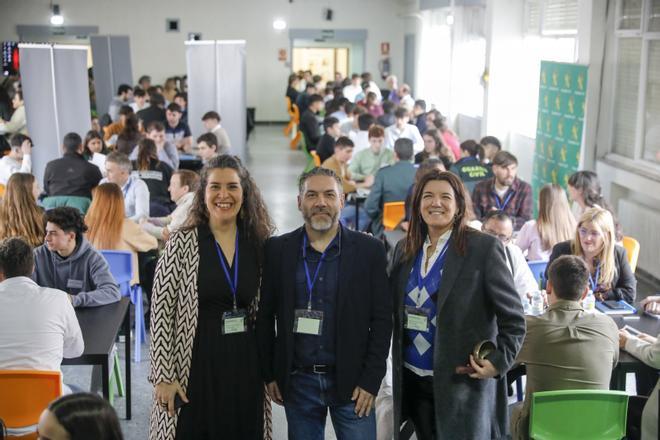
(120, 159)
(318, 171)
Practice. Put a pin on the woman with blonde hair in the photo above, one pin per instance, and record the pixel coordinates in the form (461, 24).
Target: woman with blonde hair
(610, 275)
(19, 214)
(109, 229)
(555, 223)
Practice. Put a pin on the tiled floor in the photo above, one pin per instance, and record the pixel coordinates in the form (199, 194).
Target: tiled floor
(275, 168)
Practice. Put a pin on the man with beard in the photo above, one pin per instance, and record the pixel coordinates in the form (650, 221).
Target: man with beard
(504, 192)
(325, 288)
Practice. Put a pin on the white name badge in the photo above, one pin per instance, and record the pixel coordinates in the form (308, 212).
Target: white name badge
(234, 322)
(416, 319)
(74, 284)
(308, 322)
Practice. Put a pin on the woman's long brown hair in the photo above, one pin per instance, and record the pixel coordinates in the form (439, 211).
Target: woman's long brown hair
(105, 217)
(253, 215)
(147, 152)
(418, 229)
(19, 214)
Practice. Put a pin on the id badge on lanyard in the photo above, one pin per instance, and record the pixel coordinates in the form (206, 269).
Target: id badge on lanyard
(416, 319)
(308, 321)
(234, 321)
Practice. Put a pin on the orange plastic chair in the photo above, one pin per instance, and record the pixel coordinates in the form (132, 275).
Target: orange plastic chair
(295, 120)
(393, 213)
(25, 394)
(632, 249)
(316, 158)
(2, 190)
(289, 110)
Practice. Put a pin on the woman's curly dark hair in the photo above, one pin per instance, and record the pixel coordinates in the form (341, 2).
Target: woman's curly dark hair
(253, 216)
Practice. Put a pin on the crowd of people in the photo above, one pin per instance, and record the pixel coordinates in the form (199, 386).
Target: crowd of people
(324, 318)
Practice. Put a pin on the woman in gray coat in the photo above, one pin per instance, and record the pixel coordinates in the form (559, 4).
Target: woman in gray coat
(452, 290)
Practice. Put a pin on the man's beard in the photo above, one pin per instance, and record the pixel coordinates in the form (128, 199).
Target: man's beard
(320, 224)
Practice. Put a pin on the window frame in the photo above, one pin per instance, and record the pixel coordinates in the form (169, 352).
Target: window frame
(646, 37)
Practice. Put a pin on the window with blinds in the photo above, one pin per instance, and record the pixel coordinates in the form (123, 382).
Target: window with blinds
(551, 17)
(625, 98)
(652, 113)
(654, 16)
(630, 14)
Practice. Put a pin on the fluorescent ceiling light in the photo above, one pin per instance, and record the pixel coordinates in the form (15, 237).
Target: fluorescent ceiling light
(279, 24)
(56, 19)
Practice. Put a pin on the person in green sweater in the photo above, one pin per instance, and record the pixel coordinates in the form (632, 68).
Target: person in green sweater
(367, 162)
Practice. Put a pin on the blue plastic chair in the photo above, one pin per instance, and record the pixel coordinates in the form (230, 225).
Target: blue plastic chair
(121, 267)
(538, 270)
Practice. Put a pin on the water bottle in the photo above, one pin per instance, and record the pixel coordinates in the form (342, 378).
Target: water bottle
(537, 303)
(589, 302)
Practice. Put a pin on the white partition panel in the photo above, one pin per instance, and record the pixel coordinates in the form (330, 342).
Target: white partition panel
(216, 81)
(56, 92)
(112, 67)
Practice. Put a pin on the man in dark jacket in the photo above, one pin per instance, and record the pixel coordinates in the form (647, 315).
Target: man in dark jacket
(326, 146)
(326, 287)
(309, 125)
(71, 175)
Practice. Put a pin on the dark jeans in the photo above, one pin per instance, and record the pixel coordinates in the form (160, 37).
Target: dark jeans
(418, 404)
(307, 403)
(634, 420)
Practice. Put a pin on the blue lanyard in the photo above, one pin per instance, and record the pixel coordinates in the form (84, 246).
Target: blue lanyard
(502, 206)
(128, 186)
(438, 265)
(594, 280)
(233, 283)
(311, 281)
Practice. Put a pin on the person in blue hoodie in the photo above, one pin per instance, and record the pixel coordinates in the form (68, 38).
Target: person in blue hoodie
(67, 261)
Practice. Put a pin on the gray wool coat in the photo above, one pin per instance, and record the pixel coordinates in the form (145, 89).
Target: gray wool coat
(477, 300)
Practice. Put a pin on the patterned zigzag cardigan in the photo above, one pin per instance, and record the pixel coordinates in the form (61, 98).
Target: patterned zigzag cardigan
(174, 324)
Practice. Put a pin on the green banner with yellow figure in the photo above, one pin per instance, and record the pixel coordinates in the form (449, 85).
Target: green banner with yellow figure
(562, 95)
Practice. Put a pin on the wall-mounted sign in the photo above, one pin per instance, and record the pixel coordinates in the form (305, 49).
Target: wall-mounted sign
(385, 48)
(281, 55)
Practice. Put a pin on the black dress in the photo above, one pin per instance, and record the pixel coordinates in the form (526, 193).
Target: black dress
(225, 388)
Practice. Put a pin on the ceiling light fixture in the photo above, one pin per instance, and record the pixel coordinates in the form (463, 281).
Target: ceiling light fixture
(56, 18)
(279, 24)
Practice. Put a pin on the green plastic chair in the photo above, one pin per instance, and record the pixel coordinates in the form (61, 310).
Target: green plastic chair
(578, 414)
(116, 382)
(81, 203)
(310, 160)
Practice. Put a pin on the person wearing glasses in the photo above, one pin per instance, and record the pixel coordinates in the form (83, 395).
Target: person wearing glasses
(452, 292)
(499, 224)
(610, 275)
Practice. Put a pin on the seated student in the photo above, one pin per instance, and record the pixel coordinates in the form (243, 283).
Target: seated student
(366, 163)
(372, 105)
(554, 224)
(136, 192)
(79, 416)
(491, 146)
(353, 89)
(344, 109)
(166, 151)
(469, 168)
(361, 137)
(499, 225)
(19, 214)
(419, 112)
(212, 124)
(585, 191)
(113, 129)
(642, 421)
(129, 136)
(17, 123)
(176, 131)
(435, 148)
(566, 347)
(351, 124)
(68, 262)
(391, 184)
(38, 326)
(181, 99)
(156, 175)
(309, 125)
(140, 100)
(387, 118)
(326, 146)
(19, 159)
(109, 229)
(402, 129)
(207, 147)
(155, 112)
(610, 275)
(123, 97)
(183, 186)
(95, 150)
(504, 192)
(71, 175)
(292, 88)
(448, 135)
(302, 101)
(338, 163)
